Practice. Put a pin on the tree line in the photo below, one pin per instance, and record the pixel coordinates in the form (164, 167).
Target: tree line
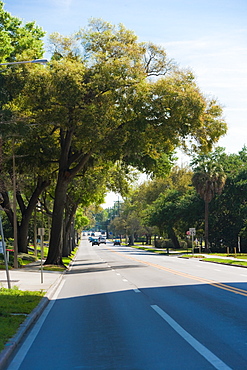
(209, 195)
(104, 105)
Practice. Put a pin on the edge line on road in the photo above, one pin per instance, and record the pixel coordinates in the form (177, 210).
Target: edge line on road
(24, 348)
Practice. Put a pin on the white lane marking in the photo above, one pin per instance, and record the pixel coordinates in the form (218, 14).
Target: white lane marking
(21, 354)
(117, 274)
(200, 348)
(125, 280)
(137, 291)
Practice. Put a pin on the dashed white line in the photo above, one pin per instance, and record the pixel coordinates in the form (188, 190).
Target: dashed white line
(200, 348)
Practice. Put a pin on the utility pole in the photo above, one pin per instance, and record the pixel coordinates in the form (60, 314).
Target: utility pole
(14, 210)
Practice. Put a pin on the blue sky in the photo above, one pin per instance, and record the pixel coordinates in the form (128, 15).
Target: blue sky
(208, 36)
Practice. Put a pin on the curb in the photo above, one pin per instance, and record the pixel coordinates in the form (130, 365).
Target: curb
(13, 343)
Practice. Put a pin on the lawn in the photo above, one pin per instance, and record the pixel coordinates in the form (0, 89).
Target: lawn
(216, 258)
(225, 261)
(15, 305)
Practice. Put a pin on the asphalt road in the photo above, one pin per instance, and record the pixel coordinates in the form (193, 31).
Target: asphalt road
(121, 308)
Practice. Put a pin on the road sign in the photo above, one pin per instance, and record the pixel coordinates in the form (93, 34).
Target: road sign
(192, 231)
(41, 231)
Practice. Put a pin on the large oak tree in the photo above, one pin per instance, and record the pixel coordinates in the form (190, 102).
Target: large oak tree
(118, 100)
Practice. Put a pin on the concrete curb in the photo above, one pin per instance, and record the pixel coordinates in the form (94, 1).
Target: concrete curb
(13, 343)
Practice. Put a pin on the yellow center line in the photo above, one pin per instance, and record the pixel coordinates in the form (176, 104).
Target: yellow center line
(186, 275)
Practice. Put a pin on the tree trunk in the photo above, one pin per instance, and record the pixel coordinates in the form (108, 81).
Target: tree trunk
(206, 226)
(26, 212)
(173, 238)
(131, 239)
(54, 256)
(22, 232)
(65, 175)
(69, 234)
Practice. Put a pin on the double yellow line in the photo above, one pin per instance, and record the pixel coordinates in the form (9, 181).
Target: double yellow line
(188, 276)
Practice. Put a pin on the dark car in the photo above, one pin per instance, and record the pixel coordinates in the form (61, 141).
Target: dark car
(117, 242)
(95, 241)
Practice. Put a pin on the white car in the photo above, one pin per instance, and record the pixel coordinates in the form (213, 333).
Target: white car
(102, 239)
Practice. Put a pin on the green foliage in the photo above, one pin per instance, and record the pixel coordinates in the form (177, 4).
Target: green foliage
(14, 306)
(110, 111)
(19, 41)
(167, 243)
(81, 221)
(209, 178)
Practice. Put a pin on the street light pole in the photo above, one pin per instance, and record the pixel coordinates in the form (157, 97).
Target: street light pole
(14, 212)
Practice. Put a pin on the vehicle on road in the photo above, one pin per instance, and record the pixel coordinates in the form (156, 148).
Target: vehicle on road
(102, 239)
(116, 242)
(95, 241)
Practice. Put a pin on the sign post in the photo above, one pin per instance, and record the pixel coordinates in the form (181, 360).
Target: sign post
(41, 233)
(192, 231)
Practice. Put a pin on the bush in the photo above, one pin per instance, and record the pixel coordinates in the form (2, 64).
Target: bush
(167, 243)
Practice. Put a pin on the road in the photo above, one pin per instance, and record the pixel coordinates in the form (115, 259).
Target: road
(122, 308)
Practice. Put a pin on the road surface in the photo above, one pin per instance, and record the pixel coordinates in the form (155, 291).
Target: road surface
(123, 308)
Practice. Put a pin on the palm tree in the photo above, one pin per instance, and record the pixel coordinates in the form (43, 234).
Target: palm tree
(208, 179)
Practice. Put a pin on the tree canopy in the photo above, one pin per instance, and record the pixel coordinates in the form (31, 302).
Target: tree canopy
(19, 41)
(103, 105)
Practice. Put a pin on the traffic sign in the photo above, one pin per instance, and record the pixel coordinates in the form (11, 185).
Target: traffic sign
(192, 231)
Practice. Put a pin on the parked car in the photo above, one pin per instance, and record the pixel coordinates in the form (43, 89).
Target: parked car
(116, 242)
(95, 241)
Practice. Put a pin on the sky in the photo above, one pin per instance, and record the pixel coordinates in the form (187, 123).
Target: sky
(207, 36)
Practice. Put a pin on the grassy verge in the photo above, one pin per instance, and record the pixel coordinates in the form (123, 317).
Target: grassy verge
(226, 262)
(25, 259)
(66, 262)
(15, 305)
(159, 251)
(216, 258)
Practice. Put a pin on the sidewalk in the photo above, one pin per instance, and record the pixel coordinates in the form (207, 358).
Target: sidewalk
(28, 278)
